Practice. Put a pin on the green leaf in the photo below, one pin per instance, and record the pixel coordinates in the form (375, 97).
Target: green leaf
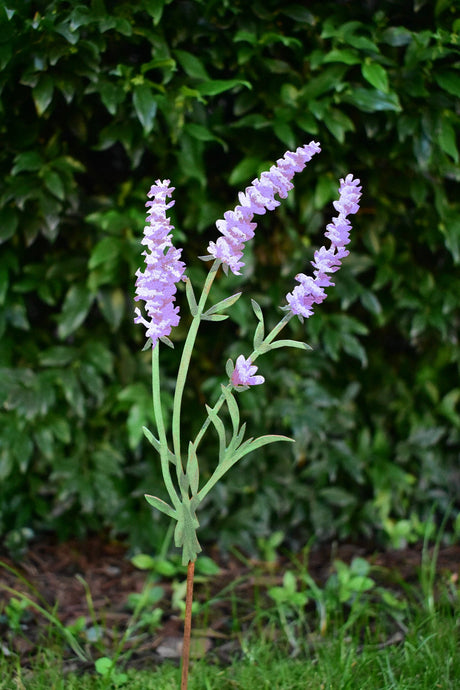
(232, 408)
(448, 80)
(157, 445)
(215, 86)
(348, 57)
(145, 106)
(244, 170)
(447, 139)
(257, 310)
(142, 560)
(203, 134)
(192, 470)
(54, 183)
(161, 505)
(289, 343)
(112, 96)
(338, 497)
(223, 304)
(29, 161)
(191, 297)
(155, 9)
(258, 335)
(43, 93)
(8, 223)
(77, 304)
(376, 75)
(112, 303)
(214, 317)
(370, 101)
(285, 133)
(191, 65)
(220, 428)
(105, 251)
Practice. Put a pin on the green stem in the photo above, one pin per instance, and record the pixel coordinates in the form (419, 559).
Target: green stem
(158, 412)
(272, 335)
(253, 356)
(184, 365)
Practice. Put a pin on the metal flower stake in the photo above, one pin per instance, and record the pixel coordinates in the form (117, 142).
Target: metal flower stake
(156, 286)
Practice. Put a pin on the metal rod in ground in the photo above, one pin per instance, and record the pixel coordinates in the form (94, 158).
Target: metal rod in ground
(187, 625)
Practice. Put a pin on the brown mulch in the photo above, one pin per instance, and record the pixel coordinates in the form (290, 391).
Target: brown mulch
(54, 575)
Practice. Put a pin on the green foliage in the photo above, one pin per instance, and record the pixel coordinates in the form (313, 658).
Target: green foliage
(98, 100)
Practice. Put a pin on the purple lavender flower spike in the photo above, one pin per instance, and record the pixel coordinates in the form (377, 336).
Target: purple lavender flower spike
(156, 286)
(310, 291)
(237, 226)
(243, 373)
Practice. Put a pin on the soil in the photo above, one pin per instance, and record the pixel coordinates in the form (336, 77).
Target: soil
(90, 582)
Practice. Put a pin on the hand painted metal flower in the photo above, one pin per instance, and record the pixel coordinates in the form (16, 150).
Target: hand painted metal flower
(156, 286)
(310, 291)
(243, 373)
(237, 226)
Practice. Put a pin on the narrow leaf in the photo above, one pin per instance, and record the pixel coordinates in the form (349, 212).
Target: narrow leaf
(236, 440)
(191, 297)
(192, 469)
(220, 428)
(257, 310)
(258, 443)
(289, 343)
(214, 317)
(216, 86)
(161, 505)
(223, 304)
(232, 408)
(145, 106)
(259, 335)
(157, 445)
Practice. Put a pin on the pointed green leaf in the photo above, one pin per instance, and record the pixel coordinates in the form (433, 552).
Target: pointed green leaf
(376, 75)
(229, 368)
(8, 223)
(191, 297)
(223, 304)
(161, 505)
(232, 408)
(259, 335)
(145, 106)
(214, 317)
(215, 86)
(220, 428)
(192, 470)
(157, 445)
(185, 532)
(43, 93)
(236, 440)
(191, 65)
(289, 343)
(257, 310)
(75, 309)
(258, 443)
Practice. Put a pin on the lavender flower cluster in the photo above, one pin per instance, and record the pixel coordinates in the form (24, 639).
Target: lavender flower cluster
(311, 290)
(237, 226)
(156, 286)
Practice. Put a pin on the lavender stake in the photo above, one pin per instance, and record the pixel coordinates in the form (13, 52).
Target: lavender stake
(157, 287)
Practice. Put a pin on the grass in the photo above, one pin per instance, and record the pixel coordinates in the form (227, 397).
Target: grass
(364, 628)
(423, 655)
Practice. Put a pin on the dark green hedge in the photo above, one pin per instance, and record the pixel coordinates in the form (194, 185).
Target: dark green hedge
(98, 100)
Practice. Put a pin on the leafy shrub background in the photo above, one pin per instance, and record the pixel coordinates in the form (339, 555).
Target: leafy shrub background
(98, 100)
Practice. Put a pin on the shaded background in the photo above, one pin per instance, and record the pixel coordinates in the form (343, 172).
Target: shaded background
(100, 99)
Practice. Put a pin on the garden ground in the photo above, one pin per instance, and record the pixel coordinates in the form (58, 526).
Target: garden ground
(91, 588)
